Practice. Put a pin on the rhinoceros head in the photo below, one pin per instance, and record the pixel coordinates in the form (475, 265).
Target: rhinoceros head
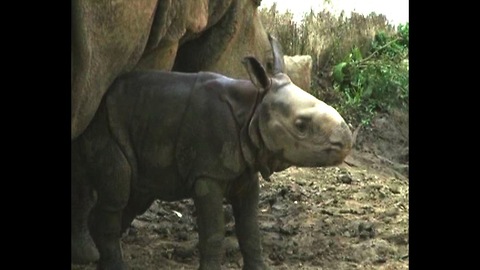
(295, 126)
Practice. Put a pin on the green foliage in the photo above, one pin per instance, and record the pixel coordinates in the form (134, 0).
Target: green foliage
(377, 82)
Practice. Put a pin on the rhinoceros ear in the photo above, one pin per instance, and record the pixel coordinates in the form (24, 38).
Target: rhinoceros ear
(257, 73)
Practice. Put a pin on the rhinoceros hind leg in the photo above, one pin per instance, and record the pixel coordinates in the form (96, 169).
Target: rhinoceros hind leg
(112, 183)
(106, 232)
(83, 249)
(138, 204)
(117, 265)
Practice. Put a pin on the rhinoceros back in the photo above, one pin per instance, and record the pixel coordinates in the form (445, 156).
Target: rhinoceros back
(145, 111)
(173, 128)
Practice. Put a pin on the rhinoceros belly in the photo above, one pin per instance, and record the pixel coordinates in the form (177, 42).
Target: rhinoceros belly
(158, 173)
(163, 183)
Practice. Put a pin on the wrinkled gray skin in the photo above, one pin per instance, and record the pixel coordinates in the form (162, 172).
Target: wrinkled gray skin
(111, 37)
(170, 136)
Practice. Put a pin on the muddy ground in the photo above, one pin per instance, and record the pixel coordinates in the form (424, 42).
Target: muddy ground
(354, 216)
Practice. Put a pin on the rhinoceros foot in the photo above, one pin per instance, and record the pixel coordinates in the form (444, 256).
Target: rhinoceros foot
(83, 250)
(112, 265)
(255, 266)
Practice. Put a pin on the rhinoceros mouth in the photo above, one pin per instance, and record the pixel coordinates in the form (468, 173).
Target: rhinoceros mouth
(321, 157)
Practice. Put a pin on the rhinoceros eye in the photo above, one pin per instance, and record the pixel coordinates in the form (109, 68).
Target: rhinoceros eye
(302, 124)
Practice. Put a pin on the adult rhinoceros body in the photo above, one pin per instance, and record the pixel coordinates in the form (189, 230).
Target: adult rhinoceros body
(111, 37)
(204, 136)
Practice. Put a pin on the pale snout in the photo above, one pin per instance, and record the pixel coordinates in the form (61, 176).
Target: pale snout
(340, 142)
(337, 141)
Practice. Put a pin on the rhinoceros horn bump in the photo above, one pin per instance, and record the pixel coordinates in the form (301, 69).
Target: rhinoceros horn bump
(278, 62)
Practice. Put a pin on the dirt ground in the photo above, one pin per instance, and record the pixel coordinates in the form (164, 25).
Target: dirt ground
(354, 216)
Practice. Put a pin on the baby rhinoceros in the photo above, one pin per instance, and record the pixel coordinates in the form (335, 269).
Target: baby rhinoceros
(170, 136)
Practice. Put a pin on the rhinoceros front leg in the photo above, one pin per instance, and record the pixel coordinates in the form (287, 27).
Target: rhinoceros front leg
(244, 199)
(208, 201)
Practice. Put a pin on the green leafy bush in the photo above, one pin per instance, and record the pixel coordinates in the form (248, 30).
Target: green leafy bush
(376, 82)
